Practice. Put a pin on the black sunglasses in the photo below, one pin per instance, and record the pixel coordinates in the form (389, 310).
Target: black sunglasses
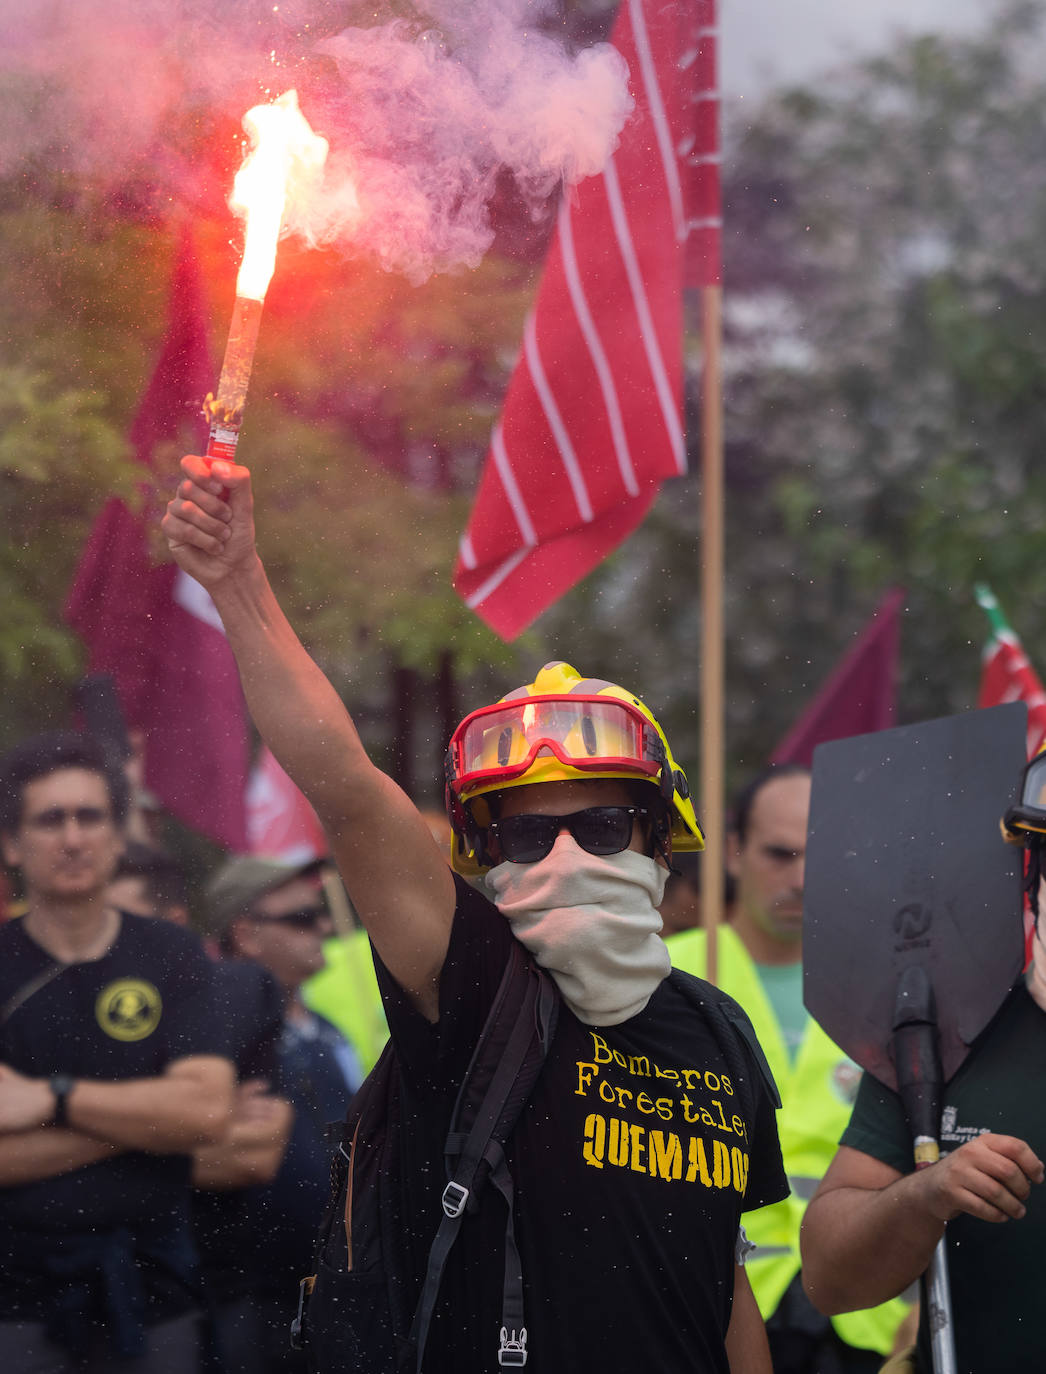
(306, 919)
(598, 830)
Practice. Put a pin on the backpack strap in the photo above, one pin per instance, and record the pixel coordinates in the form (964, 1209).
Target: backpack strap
(505, 1064)
(735, 1035)
(512, 1349)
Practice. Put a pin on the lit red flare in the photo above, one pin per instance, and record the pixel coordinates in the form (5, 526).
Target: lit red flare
(286, 159)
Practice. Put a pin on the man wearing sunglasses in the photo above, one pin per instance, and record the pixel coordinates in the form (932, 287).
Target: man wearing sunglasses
(634, 1155)
(112, 1071)
(276, 915)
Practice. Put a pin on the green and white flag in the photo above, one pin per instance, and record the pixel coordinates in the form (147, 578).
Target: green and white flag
(1006, 673)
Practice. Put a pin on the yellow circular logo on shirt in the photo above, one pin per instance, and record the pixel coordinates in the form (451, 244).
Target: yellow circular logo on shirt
(128, 1009)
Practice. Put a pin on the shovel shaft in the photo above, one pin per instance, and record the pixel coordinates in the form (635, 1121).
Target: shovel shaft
(939, 1302)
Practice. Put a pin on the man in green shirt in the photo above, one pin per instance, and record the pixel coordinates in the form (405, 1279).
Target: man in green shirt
(760, 964)
(877, 1219)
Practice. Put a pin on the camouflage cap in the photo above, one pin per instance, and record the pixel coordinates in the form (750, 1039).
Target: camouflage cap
(240, 881)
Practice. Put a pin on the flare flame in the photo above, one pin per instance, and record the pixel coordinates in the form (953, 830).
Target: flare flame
(285, 161)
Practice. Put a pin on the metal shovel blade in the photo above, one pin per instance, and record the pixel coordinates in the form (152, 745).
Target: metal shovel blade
(905, 865)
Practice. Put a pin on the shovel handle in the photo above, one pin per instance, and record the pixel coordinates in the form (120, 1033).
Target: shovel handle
(939, 1311)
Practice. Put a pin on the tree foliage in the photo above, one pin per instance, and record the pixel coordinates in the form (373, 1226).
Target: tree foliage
(367, 421)
(886, 359)
(372, 399)
(885, 276)
(61, 443)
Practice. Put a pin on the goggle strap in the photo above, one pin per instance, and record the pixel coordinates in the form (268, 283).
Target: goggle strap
(653, 749)
(656, 752)
(491, 776)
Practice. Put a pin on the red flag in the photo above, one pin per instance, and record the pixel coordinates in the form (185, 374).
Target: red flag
(860, 695)
(155, 629)
(1007, 675)
(592, 418)
(280, 822)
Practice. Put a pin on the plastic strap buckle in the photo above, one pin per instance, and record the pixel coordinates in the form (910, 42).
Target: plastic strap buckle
(305, 1288)
(512, 1352)
(454, 1199)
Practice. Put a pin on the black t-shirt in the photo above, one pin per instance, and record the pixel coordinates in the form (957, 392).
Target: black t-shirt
(287, 1212)
(147, 1002)
(261, 1239)
(995, 1270)
(224, 1219)
(251, 1005)
(632, 1164)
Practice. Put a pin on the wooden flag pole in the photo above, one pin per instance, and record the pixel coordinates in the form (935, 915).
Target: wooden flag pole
(712, 655)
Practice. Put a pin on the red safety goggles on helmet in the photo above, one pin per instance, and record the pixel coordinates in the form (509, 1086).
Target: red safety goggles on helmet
(500, 743)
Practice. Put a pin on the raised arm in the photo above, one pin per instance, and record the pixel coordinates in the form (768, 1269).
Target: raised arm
(390, 863)
(869, 1231)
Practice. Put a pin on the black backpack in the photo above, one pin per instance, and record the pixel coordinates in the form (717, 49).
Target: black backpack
(358, 1313)
(355, 1312)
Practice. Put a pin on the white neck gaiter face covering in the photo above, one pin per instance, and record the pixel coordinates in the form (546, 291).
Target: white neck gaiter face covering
(592, 921)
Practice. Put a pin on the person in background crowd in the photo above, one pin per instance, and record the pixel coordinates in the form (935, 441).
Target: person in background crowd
(276, 914)
(150, 882)
(112, 1073)
(225, 1175)
(230, 1178)
(759, 957)
(877, 1218)
(345, 990)
(9, 907)
(681, 905)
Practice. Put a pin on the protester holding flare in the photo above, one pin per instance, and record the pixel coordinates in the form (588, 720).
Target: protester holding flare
(639, 1147)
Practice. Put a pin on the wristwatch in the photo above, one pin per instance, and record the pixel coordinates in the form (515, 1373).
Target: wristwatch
(61, 1085)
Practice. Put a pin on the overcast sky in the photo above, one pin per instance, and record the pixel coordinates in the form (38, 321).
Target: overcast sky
(769, 42)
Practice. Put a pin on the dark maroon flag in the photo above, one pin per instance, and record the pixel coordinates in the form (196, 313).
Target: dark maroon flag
(861, 694)
(155, 629)
(592, 419)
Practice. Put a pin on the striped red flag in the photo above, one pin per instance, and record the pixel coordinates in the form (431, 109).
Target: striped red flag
(592, 418)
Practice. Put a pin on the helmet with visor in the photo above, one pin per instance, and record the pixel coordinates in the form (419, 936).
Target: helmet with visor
(558, 728)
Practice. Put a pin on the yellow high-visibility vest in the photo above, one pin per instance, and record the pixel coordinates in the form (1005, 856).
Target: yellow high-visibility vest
(817, 1092)
(346, 992)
